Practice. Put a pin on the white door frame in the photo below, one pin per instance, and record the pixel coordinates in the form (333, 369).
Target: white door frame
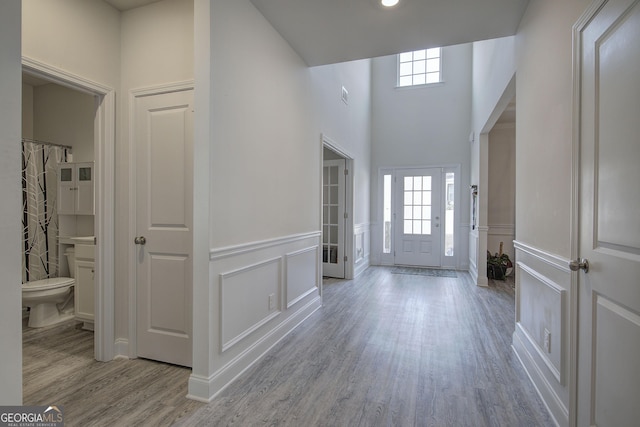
(104, 147)
(389, 259)
(132, 249)
(327, 142)
(478, 266)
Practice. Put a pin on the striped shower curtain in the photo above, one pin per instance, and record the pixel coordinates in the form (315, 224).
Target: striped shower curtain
(39, 216)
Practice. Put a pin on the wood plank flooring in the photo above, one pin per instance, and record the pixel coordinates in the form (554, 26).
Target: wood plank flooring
(59, 369)
(385, 350)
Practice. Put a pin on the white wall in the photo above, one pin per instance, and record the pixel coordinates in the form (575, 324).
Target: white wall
(421, 127)
(501, 212)
(543, 59)
(10, 193)
(543, 197)
(348, 125)
(65, 116)
(265, 153)
(78, 36)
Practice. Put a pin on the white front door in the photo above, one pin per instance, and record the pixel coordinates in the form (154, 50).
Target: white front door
(333, 221)
(608, 384)
(164, 204)
(417, 217)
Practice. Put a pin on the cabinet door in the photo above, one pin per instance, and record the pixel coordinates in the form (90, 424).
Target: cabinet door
(84, 290)
(84, 192)
(66, 189)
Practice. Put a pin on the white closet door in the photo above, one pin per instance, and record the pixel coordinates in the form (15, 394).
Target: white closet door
(164, 204)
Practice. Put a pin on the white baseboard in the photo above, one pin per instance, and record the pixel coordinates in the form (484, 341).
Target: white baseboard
(204, 389)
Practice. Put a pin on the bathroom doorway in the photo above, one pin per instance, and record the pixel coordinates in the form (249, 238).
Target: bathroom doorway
(69, 110)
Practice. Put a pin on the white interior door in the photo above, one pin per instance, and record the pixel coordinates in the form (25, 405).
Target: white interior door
(417, 217)
(609, 293)
(164, 203)
(333, 221)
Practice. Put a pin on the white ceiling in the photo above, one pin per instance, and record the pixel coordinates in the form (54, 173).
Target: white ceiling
(330, 31)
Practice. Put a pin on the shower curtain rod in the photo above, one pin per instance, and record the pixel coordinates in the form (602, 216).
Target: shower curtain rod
(36, 141)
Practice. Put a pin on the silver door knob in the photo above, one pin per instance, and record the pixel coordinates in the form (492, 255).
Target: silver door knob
(579, 264)
(140, 240)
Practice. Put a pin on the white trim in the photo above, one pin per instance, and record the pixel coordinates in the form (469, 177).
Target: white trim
(458, 228)
(553, 260)
(132, 349)
(235, 250)
(501, 229)
(574, 219)
(549, 397)
(558, 373)
(205, 389)
(104, 146)
(226, 345)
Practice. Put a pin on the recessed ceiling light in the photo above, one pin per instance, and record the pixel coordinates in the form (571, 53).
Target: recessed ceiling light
(389, 3)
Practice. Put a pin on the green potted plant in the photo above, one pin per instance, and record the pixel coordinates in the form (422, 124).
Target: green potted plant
(498, 265)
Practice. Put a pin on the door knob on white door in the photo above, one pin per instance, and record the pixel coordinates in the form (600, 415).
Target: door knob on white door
(579, 264)
(140, 240)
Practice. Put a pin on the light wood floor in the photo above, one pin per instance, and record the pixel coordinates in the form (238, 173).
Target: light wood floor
(386, 349)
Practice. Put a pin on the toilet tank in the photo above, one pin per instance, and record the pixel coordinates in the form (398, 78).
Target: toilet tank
(70, 253)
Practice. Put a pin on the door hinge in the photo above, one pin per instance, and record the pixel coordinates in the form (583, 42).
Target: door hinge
(345, 258)
(346, 215)
(346, 171)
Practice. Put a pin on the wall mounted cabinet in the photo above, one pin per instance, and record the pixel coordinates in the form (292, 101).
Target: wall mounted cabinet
(75, 189)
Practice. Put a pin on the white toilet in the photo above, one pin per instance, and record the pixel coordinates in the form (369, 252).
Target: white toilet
(50, 300)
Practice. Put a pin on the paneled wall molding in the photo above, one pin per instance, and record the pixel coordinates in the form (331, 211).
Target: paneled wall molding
(547, 257)
(551, 399)
(502, 229)
(545, 296)
(557, 371)
(298, 262)
(361, 247)
(236, 250)
(260, 292)
(242, 277)
(205, 389)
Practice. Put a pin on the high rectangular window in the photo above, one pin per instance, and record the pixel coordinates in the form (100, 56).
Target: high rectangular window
(419, 67)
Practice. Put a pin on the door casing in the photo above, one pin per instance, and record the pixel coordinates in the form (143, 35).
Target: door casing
(104, 149)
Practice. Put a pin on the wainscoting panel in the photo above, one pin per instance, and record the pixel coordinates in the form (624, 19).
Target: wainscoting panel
(473, 255)
(242, 311)
(361, 248)
(260, 292)
(540, 317)
(302, 274)
(544, 319)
